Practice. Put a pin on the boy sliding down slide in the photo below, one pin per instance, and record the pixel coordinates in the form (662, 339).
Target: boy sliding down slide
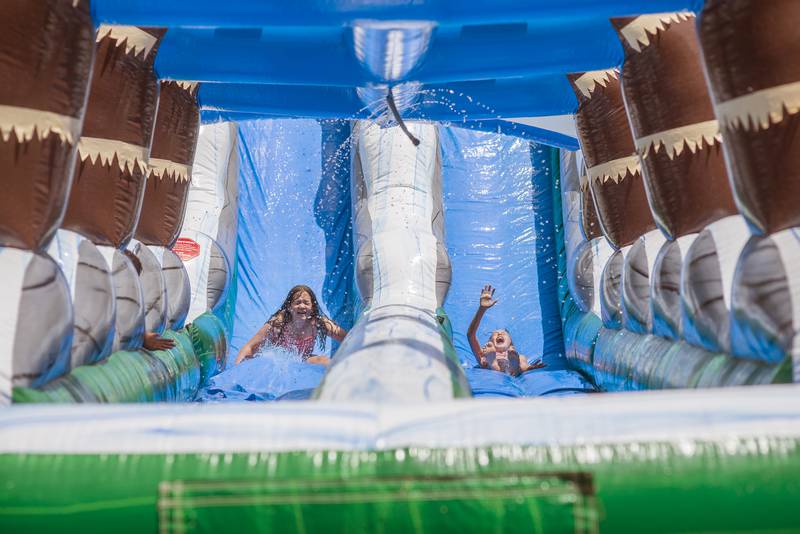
(499, 354)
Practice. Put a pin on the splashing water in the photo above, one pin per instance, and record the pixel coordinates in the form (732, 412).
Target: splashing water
(273, 373)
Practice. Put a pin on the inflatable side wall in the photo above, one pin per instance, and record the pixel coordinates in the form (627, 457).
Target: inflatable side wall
(47, 50)
(685, 306)
(589, 465)
(754, 87)
(133, 166)
(207, 243)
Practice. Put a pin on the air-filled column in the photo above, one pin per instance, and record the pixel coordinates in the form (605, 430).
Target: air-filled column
(166, 193)
(399, 350)
(755, 84)
(614, 176)
(46, 50)
(678, 140)
(114, 152)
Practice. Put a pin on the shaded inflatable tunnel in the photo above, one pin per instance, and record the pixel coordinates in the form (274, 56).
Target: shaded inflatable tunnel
(170, 169)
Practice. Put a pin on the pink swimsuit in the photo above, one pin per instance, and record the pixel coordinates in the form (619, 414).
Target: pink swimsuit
(303, 345)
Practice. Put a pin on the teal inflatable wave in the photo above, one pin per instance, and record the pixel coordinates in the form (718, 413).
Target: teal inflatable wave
(173, 375)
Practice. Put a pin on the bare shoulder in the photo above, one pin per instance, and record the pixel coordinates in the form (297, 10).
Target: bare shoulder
(333, 325)
(333, 329)
(269, 327)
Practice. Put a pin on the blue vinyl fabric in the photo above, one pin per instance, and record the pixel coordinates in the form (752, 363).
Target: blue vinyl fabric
(274, 375)
(499, 231)
(323, 55)
(250, 13)
(294, 228)
(531, 133)
(539, 95)
(450, 60)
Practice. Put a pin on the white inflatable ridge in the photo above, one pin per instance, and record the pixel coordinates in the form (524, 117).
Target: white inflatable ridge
(685, 419)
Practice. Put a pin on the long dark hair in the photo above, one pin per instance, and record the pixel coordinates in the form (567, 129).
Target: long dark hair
(283, 316)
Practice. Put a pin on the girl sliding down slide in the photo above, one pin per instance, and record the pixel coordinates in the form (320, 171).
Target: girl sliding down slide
(296, 326)
(499, 354)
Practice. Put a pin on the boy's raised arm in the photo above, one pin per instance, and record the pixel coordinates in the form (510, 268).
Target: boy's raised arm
(486, 302)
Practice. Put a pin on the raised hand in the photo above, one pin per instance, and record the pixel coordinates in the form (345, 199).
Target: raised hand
(487, 297)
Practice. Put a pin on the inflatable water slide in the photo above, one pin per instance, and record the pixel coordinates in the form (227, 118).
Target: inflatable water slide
(625, 173)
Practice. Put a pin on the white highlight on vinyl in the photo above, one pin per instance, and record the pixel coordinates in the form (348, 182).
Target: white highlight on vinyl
(399, 180)
(669, 417)
(13, 266)
(400, 330)
(27, 122)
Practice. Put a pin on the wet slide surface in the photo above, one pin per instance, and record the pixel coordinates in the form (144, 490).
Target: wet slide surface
(294, 228)
(499, 225)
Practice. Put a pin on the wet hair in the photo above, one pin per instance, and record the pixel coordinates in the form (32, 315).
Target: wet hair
(137, 263)
(283, 316)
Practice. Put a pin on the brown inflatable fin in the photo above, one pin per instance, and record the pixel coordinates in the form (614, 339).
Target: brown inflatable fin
(171, 157)
(590, 225)
(114, 148)
(755, 82)
(46, 49)
(613, 167)
(673, 123)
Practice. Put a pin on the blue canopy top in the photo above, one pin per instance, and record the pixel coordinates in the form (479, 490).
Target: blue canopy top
(457, 61)
(252, 13)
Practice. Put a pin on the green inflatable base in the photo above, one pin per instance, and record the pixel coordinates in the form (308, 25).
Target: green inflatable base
(172, 375)
(743, 486)
(619, 360)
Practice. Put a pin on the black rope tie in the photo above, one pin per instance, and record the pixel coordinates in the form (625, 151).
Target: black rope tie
(393, 108)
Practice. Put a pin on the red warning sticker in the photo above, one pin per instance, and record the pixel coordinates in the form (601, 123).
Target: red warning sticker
(186, 248)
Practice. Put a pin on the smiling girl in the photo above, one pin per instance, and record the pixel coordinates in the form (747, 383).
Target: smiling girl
(297, 326)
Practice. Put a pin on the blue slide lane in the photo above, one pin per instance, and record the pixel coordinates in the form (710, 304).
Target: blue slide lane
(499, 225)
(294, 228)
